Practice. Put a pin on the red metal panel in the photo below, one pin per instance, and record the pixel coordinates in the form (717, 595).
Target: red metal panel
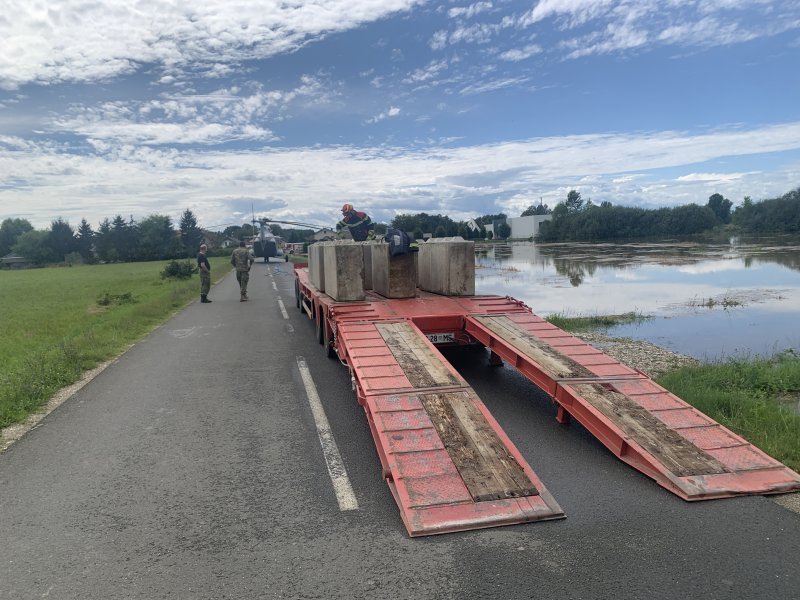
(682, 417)
(744, 458)
(412, 441)
(712, 437)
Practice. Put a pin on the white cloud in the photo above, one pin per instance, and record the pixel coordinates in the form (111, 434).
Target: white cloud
(518, 54)
(220, 116)
(430, 71)
(469, 11)
(392, 111)
(493, 85)
(608, 26)
(41, 181)
(72, 40)
(711, 177)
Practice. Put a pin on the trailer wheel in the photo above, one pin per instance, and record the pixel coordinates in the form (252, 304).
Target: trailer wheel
(320, 321)
(330, 351)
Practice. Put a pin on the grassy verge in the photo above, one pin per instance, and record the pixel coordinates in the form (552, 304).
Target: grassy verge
(58, 322)
(757, 399)
(586, 323)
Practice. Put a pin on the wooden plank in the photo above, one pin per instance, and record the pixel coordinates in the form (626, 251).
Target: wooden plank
(421, 365)
(551, 360)
(483, 462)
(675, 452)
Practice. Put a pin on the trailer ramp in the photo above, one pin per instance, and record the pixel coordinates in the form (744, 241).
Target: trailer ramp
(448, 463)
(643, 424)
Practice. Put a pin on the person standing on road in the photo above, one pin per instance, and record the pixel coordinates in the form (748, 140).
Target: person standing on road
(205, 274)
(241, 260)
(357, 223)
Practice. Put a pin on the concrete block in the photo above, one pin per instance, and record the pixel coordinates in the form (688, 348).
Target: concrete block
(447, 266)
(344, 270)
(393, 276)
(367, 248)
(316, 265)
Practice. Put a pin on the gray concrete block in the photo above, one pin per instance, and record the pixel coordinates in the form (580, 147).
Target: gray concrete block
(393, 276)
(447, 266)
(367, 248)
(316, 265)
(344, 271)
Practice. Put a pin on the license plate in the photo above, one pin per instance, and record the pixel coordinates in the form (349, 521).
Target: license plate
(441, 338)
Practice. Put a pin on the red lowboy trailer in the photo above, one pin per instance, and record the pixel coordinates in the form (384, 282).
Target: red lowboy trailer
(449, 464)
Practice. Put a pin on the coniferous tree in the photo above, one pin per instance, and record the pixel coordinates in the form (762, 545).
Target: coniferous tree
(104, 242)
(191, 234)
(85, 241)
(61, 239)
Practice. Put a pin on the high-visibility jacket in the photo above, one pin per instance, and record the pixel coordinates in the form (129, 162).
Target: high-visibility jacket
(358, 224)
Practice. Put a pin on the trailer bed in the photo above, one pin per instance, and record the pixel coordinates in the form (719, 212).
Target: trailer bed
(449, 464)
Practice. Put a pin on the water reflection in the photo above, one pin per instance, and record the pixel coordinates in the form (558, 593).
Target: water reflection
(747, 291)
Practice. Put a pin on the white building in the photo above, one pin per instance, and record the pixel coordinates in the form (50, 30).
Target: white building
(523, 228)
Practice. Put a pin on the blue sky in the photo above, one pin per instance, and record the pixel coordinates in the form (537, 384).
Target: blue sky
(293, 107)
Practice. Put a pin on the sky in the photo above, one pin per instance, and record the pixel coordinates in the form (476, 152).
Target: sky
(286, 109)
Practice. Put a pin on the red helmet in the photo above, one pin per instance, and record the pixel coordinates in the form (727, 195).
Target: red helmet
(347, 208)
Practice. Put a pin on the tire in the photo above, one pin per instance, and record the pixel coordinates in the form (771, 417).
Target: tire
(297, 300)
(320, 329)
(327, 345)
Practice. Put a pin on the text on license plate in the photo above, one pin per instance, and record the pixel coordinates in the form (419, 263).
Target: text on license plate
(441, 338)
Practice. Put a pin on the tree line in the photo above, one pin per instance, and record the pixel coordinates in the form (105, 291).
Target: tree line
(574, 219)
(117, 239)
(579, 220)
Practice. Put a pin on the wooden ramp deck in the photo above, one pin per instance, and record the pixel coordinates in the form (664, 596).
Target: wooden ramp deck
(448, 463)
(643, 424)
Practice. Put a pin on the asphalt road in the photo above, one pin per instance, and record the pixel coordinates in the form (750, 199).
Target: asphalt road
(192, 468)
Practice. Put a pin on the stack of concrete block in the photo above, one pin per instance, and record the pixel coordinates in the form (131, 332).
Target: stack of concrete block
(344, 270)
(447, 266)
(316, 265)
(393, 276)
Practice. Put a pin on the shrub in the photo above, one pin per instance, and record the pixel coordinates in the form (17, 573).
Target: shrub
(175, 269)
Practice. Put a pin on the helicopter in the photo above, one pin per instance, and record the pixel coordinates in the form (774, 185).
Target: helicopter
(267, 245)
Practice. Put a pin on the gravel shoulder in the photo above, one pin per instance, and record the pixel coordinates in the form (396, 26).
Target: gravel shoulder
(648, 358)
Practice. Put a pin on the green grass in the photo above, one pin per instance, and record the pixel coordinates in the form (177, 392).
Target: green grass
(754, 398)
(57, 322)
(586, 323)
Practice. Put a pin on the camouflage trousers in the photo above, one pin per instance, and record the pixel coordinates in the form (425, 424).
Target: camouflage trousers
(205, 282)
(243, 277)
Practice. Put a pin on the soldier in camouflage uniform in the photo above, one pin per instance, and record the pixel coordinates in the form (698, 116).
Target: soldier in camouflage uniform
(241, 260)
(204, 267)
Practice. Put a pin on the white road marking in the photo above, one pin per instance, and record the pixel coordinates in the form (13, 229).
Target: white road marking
(283, 308)
(338, 474)
(274, 286)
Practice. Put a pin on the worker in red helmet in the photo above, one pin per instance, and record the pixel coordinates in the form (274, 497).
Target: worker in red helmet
(357, 223)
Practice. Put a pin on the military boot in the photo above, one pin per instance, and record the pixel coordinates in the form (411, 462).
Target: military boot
(204, 299)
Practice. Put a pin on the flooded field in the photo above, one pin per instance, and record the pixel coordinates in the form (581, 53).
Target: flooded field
(708, 299)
